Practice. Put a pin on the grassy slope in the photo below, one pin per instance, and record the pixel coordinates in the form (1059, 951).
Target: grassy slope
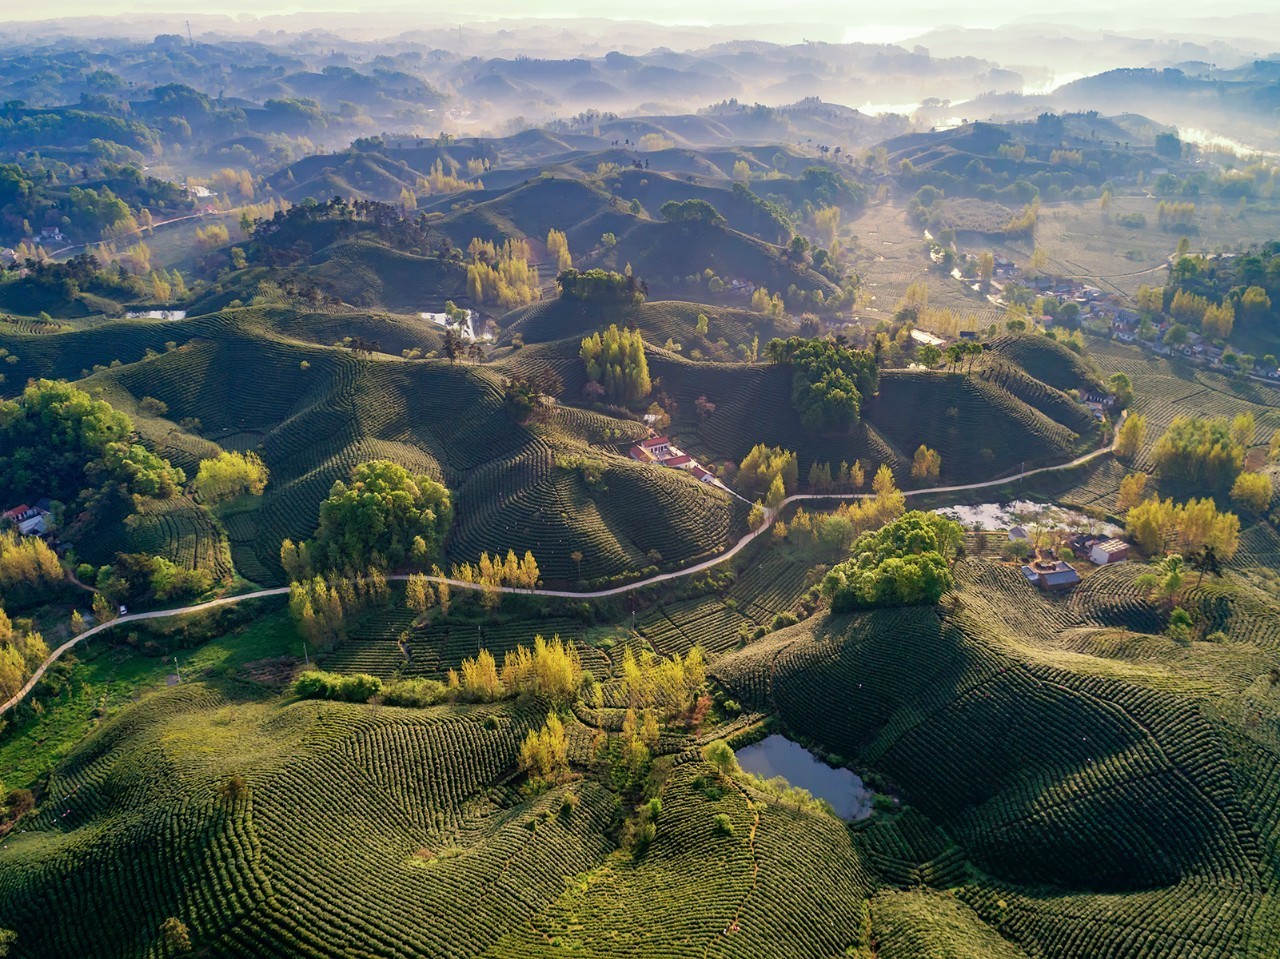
(436, 855)
(661, 252)
(370, 274)
(1053, 739)
(659, 320)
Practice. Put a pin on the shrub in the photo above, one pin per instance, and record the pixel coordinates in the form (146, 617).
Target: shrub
(782, 620)
(176, 935)
(568, 804)
(356, 688)
(720, 755)
(414, 692)
(723, 825)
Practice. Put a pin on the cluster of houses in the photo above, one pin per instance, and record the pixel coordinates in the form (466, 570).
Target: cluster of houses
(1123, 321)
(661, 451)
(29, 520)
(1125, 324)
(1047, 571)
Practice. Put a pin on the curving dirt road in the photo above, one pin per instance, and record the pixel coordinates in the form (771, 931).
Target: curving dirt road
(742, 544)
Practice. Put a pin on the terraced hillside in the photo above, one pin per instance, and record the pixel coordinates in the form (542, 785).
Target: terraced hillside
(1074, 784)
(1106, 783)
(950, 412)
(371, 274)
(659, 320)
(1020, 422)
(665, 252)
(1047, 360)
(438, 856)
(317, 411)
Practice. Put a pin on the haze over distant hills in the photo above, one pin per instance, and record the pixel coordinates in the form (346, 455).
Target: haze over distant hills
(406, 71)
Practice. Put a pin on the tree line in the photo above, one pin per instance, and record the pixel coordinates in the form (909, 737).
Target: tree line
(616, 364)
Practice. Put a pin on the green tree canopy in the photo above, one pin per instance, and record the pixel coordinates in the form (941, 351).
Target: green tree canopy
(763, 465)
(829, 381)
(904, 563)
(228, 475)
(691, 211)
(1200, 453)
(56, 439)
(615, 359)
(378, 518)
(599, 286)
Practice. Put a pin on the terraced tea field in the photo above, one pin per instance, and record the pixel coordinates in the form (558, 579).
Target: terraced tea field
(990, 727)
(318, 411)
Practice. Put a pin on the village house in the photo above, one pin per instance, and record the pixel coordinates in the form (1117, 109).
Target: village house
(51, 234)
(661, 451)
(927, 339)
(1002, 266)
(1051, 575)
(653, 450)
(1109, 551)
(29, 520)
(1100, 550)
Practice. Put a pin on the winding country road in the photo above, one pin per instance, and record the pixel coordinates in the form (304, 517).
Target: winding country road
(146, 230)
(738, 547)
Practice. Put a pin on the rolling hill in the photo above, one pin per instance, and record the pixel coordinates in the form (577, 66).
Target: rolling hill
(319, 410)
(1052, 741)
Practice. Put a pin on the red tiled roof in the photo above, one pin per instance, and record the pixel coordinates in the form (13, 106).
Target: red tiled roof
(653, 441)
(680, 460)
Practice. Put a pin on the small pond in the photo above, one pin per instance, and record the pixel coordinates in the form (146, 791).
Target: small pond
(779, 756)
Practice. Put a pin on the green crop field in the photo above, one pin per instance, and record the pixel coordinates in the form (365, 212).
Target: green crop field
(1070, 728)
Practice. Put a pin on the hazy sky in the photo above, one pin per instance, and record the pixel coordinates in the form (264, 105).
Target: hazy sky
(929, 12)
(834, 21)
